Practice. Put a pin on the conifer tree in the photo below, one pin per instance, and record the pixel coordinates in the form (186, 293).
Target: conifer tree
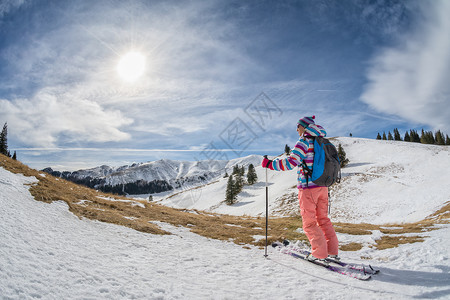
(14, 156)
(378, 136)
(238, 183)
(390, 138)
(447, 140)
(230, 194)
(384, 136)
(439, 138)
(397, 136)
(251, 175)
(423, 139)
(407, 138)
(287, 149)
(430, 138)
(427, 137)
(411, 136)
(236, 170)
(342, 156)
(414, 136)
(4, 141)
(242, 171)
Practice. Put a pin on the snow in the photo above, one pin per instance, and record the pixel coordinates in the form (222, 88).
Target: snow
(48, 253)
(133, 203)
(251, 200)
(385, 182)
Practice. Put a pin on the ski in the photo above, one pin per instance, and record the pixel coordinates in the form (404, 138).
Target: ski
(358, 267)
(336, 269)
(366, 269)
(355, 267)
(344, 270)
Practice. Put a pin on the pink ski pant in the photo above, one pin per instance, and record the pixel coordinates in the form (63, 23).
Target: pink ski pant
(316, 224)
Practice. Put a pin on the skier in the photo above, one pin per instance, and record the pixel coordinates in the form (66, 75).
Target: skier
(313, 199)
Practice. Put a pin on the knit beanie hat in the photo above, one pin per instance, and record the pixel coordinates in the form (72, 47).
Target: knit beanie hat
(306, 121)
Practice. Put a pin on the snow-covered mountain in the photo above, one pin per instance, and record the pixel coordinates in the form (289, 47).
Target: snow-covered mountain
(177, 174)
(171, 170)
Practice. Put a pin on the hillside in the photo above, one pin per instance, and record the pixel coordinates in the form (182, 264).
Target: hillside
(385, 182)
(58, 249)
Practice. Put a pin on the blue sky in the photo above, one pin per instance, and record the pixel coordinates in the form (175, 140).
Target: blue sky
(222, 78)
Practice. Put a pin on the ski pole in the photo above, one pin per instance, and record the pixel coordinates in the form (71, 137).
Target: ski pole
(329, 203)
(267, 208)
(267, 213)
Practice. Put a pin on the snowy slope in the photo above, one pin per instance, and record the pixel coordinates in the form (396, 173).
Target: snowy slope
(385, 182)
(392, 181)
(251, 201)
(48, 253)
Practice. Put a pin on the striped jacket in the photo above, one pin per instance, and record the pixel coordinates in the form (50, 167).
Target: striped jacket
(303, 151)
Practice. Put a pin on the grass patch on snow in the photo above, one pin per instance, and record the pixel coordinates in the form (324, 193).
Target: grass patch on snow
(141, 215)
(351, 247)
(355, 229)
(388, 241)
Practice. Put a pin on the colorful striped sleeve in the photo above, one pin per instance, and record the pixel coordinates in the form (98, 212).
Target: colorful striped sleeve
(298, 154)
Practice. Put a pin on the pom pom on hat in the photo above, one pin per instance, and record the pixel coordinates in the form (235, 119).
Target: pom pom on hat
(306, 121)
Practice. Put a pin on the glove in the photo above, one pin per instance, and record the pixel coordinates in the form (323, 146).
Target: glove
(267, 163)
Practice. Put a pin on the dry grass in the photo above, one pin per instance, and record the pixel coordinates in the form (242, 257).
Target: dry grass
(144, 216)
(441, 216)
(355, 229)
(387, 241)
(351, 247)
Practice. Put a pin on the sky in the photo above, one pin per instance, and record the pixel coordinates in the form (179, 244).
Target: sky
(216, 79)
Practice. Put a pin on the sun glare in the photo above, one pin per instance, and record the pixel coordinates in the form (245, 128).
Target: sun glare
(131, 66)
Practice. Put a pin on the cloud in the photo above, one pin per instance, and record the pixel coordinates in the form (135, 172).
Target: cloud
(50, 118)
(411, 80)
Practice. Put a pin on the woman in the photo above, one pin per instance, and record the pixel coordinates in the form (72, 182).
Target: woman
(313, 199)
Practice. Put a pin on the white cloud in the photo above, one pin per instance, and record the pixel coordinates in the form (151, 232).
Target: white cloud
(411, 79)
(47, 117)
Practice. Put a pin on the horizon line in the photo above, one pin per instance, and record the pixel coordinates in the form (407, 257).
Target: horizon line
(140, 150)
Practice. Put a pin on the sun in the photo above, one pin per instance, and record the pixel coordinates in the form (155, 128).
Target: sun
(131, 66)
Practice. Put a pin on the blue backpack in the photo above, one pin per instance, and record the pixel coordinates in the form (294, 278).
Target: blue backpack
(326, 167)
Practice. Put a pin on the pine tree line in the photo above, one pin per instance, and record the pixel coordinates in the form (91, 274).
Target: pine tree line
(138, 187)
(132, 188)
(4, 143)
(426, 137)
(236, 182)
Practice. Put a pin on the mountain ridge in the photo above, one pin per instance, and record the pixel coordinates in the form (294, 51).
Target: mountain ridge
(173, 173)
